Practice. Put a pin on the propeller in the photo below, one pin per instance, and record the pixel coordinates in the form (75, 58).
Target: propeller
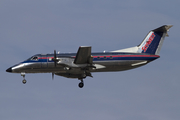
(55, 58)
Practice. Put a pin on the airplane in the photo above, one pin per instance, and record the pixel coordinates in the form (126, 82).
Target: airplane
(81, 64)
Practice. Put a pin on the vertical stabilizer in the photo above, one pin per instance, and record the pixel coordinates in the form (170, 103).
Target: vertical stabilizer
(154, 40)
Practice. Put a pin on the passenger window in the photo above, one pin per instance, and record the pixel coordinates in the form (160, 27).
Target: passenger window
(111, 57)
(98, 57)
(105, 57)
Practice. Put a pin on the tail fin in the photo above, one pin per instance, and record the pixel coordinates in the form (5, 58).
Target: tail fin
(154, 40)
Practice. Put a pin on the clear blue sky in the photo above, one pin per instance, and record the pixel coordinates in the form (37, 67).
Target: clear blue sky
(150, 92)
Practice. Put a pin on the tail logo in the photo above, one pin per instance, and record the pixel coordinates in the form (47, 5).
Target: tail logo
(151, 38)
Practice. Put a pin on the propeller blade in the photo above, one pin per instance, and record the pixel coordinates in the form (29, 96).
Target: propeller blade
(52, 76)
(55, 58)
(54, 53)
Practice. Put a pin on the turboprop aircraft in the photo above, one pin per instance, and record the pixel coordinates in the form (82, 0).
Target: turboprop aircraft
(81, 64)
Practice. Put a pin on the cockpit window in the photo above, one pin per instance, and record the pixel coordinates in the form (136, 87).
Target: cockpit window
(34, 58)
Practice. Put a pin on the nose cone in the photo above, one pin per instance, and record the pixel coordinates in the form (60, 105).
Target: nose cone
(9, 70)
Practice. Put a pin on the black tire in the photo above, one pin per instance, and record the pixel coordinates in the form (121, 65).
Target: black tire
(81, 84)
(24, 81)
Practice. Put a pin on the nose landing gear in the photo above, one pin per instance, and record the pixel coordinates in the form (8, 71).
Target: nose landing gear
(24, 80)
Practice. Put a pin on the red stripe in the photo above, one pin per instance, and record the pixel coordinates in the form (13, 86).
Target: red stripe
(45, 57)
(112, 56)
(129, 56)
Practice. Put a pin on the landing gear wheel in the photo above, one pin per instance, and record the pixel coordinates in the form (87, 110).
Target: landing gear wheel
(24, 81)
(81, 84)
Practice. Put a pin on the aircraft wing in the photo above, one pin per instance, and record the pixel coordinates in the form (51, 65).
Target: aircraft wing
(83, 55)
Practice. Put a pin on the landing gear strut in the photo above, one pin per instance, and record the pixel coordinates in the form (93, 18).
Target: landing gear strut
(81, 84)
(24, 80)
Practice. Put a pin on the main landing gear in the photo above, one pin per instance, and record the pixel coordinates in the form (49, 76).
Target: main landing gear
(24, 80)
(81, 84)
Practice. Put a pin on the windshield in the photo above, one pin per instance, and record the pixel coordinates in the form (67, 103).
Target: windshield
(33, 58)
